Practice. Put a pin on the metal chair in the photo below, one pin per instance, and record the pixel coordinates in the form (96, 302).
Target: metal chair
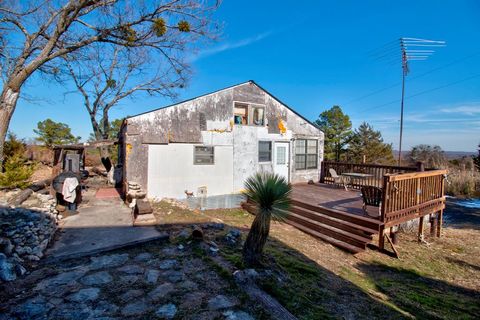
(337, 179)
(372, 196)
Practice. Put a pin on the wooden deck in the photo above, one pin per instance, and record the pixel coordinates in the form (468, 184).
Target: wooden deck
(335, 215)
(329, 196)
(331, 214)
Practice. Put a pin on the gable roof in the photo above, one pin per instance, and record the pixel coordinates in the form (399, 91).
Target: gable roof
(226, 88)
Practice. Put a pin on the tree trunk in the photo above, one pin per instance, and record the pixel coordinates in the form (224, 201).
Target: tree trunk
(100, 135)
(256, 239)
(8, 102)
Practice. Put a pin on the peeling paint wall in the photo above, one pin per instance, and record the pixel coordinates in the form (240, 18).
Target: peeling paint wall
(208, 120)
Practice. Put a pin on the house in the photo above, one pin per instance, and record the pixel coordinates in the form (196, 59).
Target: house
(209, 145)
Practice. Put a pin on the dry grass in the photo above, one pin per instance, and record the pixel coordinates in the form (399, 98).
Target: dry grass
(314, 280)
(463, 183)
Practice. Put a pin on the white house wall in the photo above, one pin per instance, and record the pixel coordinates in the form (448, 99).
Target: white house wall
(208, 120)
(171, 171)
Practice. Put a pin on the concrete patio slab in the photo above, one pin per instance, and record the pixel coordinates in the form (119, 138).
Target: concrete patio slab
(101, 225)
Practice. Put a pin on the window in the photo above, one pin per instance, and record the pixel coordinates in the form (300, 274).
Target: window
(245, 114)
(240, 114)
(306, 154)
(281, 155)
(257, 116)
(264, 151)
(203, 155)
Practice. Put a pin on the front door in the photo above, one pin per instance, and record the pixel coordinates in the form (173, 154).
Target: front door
(281, 159)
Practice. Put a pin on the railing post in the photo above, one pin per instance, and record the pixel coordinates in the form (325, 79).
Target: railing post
(420, 167)
(440, 213)
(381, 233)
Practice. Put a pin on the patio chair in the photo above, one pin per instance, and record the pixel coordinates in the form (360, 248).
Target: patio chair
(337, 179)
(372, 196)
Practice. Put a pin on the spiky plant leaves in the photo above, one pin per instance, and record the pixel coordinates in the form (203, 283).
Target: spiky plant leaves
(271, 195)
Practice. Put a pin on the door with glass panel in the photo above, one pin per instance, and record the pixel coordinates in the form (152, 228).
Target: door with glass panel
(281, 159)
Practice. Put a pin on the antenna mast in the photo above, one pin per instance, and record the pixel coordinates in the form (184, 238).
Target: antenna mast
(410, 52)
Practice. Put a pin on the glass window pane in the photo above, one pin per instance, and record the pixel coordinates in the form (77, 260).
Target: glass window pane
(203, 155)
(281, 155)
(264, 151)
(240, 114)
(311, 161)
(300, 161)
(312, 146)
(257, 117)
(300, 146)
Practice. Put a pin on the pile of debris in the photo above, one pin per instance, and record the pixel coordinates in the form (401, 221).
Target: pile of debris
(25, 232)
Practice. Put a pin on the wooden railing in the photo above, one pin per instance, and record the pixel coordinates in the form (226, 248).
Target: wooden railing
(377, 172)
(412, 195)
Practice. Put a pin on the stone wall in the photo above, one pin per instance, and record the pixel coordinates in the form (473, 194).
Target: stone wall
(25, 234)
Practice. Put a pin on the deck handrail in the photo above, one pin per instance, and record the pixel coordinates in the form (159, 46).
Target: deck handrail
(412, 195)
(376, 170)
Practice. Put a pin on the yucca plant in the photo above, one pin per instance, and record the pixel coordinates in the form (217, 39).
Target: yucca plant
(270, 193)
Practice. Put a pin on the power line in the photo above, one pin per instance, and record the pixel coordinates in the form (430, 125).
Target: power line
(422, 92)
(415, 77)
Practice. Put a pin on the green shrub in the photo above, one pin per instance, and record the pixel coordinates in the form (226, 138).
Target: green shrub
(16, 173)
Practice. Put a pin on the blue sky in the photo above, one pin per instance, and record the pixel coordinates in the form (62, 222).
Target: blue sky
(315, 54)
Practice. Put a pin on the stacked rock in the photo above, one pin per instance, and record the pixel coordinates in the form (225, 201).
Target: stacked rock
(24, 236)
(134, 192)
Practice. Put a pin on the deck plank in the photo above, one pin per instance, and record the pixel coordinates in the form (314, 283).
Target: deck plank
(329, 196)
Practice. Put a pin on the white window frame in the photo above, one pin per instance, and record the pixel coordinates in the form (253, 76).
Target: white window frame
(306, 154)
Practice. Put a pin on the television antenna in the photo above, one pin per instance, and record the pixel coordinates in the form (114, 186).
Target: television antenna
(413, 49)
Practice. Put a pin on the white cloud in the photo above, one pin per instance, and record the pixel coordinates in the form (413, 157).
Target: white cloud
(469, 110)
(230, 45)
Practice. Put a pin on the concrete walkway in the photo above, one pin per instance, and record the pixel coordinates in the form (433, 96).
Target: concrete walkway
(100, 225)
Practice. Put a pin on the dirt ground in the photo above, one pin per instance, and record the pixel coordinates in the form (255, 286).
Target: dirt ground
(436, 280)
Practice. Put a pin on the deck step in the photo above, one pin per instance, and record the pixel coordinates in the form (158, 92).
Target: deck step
(340, 244)
(334, 222)
(343, 234)
(363, 221)
(339, 234)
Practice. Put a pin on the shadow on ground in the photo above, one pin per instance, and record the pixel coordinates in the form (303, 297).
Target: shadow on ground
(460, 216)
(306, 289)
(422, 297)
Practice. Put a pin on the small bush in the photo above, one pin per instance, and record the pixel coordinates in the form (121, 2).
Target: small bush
(463, 183)
(16, 173)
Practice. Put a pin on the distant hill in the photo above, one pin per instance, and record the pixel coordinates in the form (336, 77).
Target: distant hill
(450, 154)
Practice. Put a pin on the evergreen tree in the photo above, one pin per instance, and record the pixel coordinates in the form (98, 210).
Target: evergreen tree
(337, 128)
(476, 160)
(51, 133)
(368, 143)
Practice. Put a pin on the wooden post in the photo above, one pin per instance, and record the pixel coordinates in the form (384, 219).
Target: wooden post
(420, 166)
(440, 213)
(439, 223)
(381, 238)
(383, 209)
(393, 235)
(420, 229)
(433, 224)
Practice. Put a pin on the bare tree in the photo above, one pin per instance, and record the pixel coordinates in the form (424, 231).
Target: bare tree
(104, 80)
(35, 34)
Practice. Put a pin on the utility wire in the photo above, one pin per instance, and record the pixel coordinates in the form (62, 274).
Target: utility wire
(414, 77)
(422, 92)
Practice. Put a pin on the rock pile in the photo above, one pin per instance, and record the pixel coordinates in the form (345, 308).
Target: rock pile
(233, 237)
(134, 192)
(25, 234)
